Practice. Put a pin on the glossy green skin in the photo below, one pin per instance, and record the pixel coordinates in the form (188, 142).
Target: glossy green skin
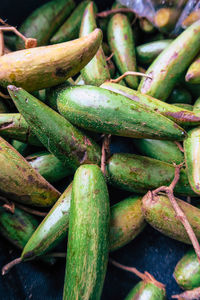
(196, 106)
(160, 214)
(126, 222)
(187, 271)
(184, 106)
(162, 150)
(140, 174)
(176, 114)
(121, 42)
(60, 137)
(70, 29)
(14, 126)
(20, 147)
(17, 227)
(44, 21)
(88, 239)
(193, 73)
(3, 107)
(180, 95)
(20, 182)
(146, 291)
(104, 111)
(51, 230)
(51, 168)
(171, 63)
(146, 53)
(53, 92)
(192, 158)
(96, 71)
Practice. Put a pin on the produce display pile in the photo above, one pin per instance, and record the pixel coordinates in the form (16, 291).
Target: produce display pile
(72, 80)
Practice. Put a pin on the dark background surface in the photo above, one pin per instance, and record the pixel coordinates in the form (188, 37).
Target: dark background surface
(150, 251)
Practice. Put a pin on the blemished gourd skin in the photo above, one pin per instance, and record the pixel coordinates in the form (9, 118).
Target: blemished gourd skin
(59, 136)
(44, 21)
(139, 174)
(121, 42)
(96, 71)
(49, 166)
(171, 63)
(126, 222)
(187, 271)
(158, 209)
(146, 291)
(42, 67)
(146, 53)
(20, 182)
(179, 115)
(88, 238)
(14, 126)
(193, 74)
(71, 27)
(104, 111)
(166, 151)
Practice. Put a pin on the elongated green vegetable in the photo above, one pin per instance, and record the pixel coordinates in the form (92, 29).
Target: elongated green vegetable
(61, 138)
(180, 95)
(146, 53)
(70, 29)
(96, 71)
(14, 126)
(126, 222)
(121, 42)
(17, 227)
(196, 106)
(88, 239)
(187, 271)
(100, 110)
(171, 63)
(140, 174)
(42, 67)
(20, 182)
(184, 106)
(161, 206)
(20, 147)
(45, 20)
(146, 291)
(51, 168)
(179, 115)
(162, 150)
(193, 74)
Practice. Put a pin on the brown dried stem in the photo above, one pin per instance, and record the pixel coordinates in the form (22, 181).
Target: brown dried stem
(188, 295)
(107, 13)
(10, 265)
(169, 190)
(105, 152)
(4, 96)
(29, 42)
(179, 146)
(1, 43)
(129, 73)
(144, 276)
(109, 57)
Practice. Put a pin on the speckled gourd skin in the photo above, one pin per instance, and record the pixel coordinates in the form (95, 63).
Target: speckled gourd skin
(146, 291)
(104, 111)
(20, 182)
(71, 27)
(49, 166)
(179, 115)
(14, 126)
(160, 214)
(42, 67)
(96, 71)
(88, 238)
(140, 174)
(187, 271)
(59, 136)
(121, 42)
(171, 63)
(44, 21)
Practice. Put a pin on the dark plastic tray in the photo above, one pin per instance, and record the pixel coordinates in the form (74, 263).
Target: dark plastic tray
(150, 251)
